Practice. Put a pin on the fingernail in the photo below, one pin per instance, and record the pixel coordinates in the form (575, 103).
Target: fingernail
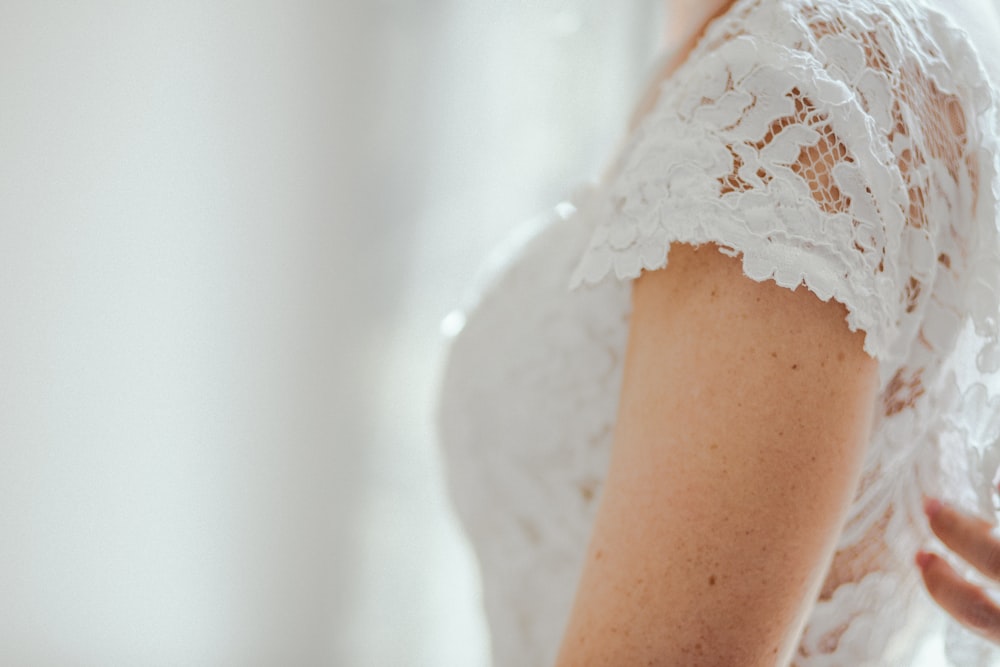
(922, 559)
(931, 506)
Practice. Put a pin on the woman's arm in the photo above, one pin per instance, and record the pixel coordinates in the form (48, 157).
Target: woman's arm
(743, 421)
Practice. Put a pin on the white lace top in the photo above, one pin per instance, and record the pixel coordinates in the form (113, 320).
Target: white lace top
(850, 145)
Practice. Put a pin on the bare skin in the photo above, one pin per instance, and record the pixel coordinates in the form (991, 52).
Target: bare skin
(970, 537)
(741, 430)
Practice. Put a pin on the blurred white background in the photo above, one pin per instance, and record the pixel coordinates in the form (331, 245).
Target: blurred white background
(230, 233)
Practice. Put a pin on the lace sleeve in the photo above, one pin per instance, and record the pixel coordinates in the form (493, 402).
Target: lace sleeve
(755, 146)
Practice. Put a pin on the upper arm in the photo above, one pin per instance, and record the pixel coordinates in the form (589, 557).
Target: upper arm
(742, 425)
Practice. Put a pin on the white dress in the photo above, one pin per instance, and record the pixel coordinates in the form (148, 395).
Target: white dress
(850, 145)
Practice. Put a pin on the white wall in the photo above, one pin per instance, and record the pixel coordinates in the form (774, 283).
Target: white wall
(229, 231)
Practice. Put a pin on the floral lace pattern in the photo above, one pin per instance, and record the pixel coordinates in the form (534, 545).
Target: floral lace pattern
(850, 146)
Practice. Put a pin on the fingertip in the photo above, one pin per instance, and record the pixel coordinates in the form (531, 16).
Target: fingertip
(932, 506)
(923, 559)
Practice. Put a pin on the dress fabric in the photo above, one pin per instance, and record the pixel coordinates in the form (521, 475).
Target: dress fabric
(849, 146)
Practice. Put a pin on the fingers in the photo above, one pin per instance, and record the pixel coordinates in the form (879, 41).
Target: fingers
(966, 535)
(967, 603)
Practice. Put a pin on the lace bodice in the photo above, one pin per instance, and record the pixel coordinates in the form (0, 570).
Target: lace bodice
(850, 146)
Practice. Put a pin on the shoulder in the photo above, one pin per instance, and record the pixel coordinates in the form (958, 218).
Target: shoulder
(846, 40)
(836, 142)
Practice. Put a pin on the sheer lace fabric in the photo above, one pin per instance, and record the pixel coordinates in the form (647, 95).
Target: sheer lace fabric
(847, 146)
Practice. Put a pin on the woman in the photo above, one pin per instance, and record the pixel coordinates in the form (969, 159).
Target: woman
(686, 460)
